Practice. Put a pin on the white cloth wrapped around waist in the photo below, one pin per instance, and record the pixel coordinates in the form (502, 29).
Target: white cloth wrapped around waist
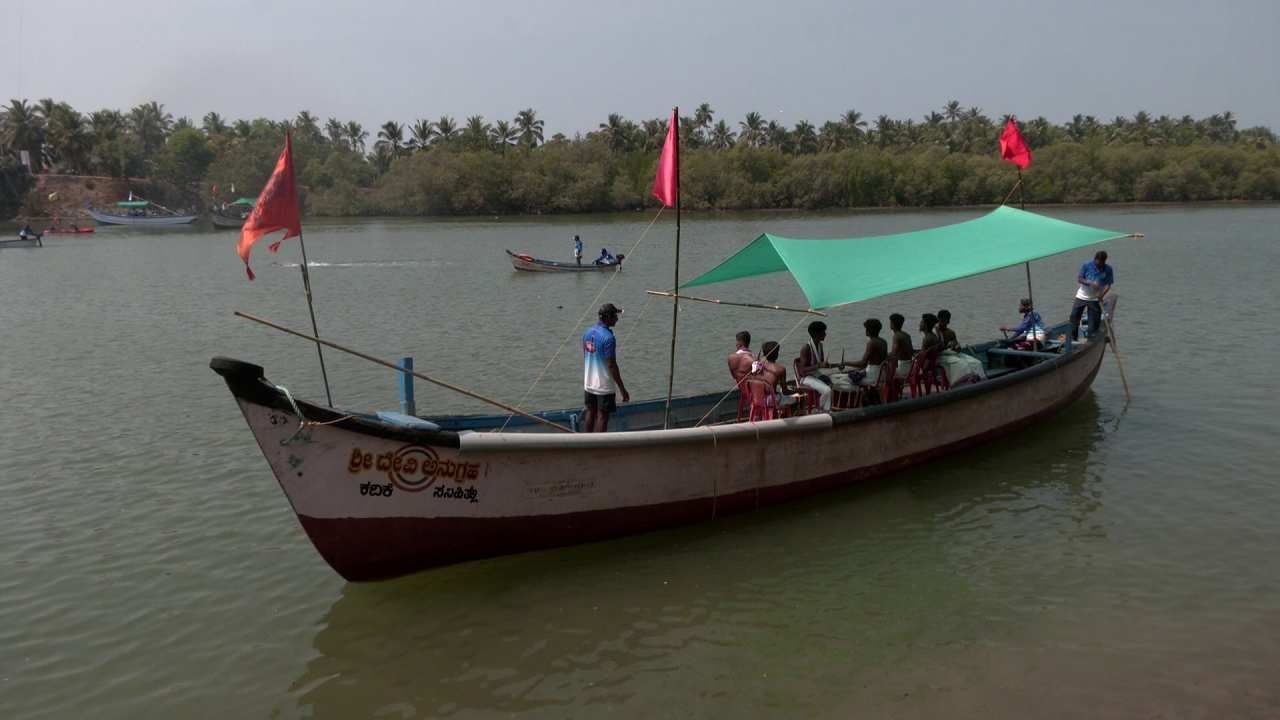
(956, 365)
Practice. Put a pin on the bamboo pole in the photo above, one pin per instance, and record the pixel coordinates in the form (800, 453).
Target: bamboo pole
(1116, 352)
(713, 301)
(397, 368)
(675, 285)
(306, 287)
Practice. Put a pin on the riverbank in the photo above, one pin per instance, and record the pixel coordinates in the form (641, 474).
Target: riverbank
(68, 197)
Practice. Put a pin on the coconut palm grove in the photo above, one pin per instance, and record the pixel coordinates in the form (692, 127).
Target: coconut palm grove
(446, 166)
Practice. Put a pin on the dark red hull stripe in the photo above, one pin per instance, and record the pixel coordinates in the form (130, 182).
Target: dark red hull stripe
(377, 548)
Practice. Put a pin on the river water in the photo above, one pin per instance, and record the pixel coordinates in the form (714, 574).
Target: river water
(1118, 561)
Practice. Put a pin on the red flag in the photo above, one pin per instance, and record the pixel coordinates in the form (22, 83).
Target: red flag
(277, 208)
(1012, 147)
(666, 184)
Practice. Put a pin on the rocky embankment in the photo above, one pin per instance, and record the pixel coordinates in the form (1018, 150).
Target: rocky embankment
(67, 197)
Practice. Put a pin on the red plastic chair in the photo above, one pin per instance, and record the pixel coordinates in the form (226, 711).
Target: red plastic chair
(888, 383)
(811, 397)
(925, 375)
(764, 405)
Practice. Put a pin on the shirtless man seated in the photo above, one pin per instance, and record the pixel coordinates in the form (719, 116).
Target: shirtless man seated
(773, 374)
(740, 359)
(876, 352)
(901, 350)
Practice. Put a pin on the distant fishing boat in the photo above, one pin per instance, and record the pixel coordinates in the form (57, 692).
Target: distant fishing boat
(529, 263)
(384, 494)
(68, 231)
(140, 212)
(23, 241)
(231, 216)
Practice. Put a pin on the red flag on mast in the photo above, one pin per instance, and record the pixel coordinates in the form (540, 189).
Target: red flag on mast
(276, 209)
(666, 183)
(1013, 148)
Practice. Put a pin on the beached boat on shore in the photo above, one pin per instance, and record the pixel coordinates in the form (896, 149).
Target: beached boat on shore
(381, 495)
(142, 213)
(529, 263)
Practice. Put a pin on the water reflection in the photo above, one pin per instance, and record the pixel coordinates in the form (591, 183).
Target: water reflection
(782, 610)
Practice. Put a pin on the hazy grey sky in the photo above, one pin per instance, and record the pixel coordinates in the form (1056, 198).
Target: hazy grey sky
(576, 61)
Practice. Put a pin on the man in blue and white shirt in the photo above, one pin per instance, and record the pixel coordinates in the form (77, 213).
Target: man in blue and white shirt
(601, 379)
(1096, 279)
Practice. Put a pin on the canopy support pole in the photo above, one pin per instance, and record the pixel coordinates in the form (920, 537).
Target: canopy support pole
(675, 286)
(713, 301)
(306, 287)
(397, 368)
(1023, 202)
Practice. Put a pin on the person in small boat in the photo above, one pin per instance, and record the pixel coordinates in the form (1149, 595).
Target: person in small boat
(1095, 278)
(1029, 334)
(812, 360)
(954, 363)
(601, 378)
(741, 359)
(769, 371)
(606, 258)
(900, 348)
(875, 353)
(26, 232)
(577, 249)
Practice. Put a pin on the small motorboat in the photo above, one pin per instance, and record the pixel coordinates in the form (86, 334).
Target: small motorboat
(68, 231)
(23, 240)
(529, 263)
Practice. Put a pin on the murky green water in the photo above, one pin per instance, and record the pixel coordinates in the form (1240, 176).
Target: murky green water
(1118, 561)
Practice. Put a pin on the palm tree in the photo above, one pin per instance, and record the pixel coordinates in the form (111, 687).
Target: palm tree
(336, 132)
(242, 129)
(751, 131)
(529, 127)
(446, 129)
(854, 124)
(391, 139)
(151, 124)
(833, 137)
(805, 138)
(690, 135)
(22, 129)
(777, 136)
(183, 123)
(886, 131)
(356, 135)
(213, 124)
(420, 134)
(703, 116)
(67, 138)
(654, 134)
(504, 135)
(617, 136)
(307, 125)
(721, 136)
(952, 111)
(475, 134)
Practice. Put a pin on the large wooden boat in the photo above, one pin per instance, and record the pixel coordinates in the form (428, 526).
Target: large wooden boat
(529, 263)
(379, 496)
(142, 213)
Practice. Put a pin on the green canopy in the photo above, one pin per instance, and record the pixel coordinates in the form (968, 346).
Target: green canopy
(245, 201)
(132, 203)
(838, 272)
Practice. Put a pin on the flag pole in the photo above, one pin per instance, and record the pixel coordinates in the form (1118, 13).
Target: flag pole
(306, 286)
(675, 287)
(1023, 202)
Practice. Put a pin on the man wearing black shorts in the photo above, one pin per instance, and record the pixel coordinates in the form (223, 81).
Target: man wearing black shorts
(601, 379)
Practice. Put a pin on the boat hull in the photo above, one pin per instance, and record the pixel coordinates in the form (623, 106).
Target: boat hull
(60, 231)
(528, 263)
(226, 223)
(109, 219)
(379, 501)
(22, 242)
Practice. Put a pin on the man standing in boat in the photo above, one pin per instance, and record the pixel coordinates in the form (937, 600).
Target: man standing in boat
(601, 379)
(1096, 279)
(577, 249)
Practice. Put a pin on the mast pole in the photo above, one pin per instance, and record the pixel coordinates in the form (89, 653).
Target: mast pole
(1023, 202)
(675, 287)
(306, 286)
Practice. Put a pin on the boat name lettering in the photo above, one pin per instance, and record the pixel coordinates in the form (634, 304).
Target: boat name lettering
(459, 493)
(376, 490)
(413, 467)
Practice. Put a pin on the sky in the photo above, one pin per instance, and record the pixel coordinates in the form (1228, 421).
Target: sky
(575, 62)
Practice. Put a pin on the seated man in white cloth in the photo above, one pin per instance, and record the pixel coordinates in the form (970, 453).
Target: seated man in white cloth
(813, 358)
(953, 362)
(876, 352)
(900, 350)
